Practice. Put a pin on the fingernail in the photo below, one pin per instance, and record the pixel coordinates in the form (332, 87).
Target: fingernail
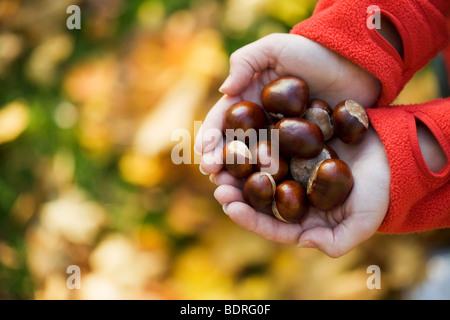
(196, 151)
(202, 171)
(213, 179)
(224, 207)
(225, 84)
(304, 244)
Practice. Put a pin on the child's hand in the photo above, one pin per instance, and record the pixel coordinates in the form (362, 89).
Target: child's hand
(333, 79)
(335, 232)
(329, 76)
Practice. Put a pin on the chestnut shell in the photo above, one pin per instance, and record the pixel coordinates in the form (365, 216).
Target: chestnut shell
(301, 168)
(269, 159)
(244, 115)
(237, 159)
(320, 104)
(299, 137)
(350, 121)
(290, 204)
(286, 96)
(319, 112)
(259, 190)
(330, 184)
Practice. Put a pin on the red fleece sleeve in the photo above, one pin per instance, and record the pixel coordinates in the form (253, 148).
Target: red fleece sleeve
(342, 26)
(420, 199)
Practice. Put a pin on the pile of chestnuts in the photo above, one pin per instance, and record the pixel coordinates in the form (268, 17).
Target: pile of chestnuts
(291, 168)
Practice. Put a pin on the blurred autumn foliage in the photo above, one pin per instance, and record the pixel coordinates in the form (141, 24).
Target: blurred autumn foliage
(86, 178)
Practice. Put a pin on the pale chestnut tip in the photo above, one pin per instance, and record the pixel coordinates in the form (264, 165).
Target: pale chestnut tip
(350, 121)
(259, 190)
(237, 159)
(330, 184)
(276, 213)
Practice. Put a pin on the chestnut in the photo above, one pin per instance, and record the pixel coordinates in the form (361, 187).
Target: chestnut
(237, 159)
(269, 159)
(272, 120)
(290, 203)
(299, 137)
(330, 151)
(350, 121)
(330, 184)
(301, 168)
(259, 190)
(285, 97)
(320, 104)
(243, 115)
(319, 112)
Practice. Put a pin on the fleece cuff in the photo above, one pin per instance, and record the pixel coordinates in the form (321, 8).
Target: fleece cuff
(419, 198)
(346, 27)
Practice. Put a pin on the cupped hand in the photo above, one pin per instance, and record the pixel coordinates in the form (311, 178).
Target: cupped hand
(330, 77)
(334, 232)
(333, 79)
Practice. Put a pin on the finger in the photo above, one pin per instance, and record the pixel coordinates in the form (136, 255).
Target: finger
(210, 133)
(225, 178)
(341, 239)
(262, 224)
(246, 61)
(227, 194)
(212, 161)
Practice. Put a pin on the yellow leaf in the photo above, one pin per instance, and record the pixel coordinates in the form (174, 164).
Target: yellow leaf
(13, 120)
(176, 110)
(140, 170)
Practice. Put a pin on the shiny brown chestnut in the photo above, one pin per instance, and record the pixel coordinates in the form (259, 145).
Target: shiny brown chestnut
(259, 190)
(319, 104)
(319, 112)
(237, 159)
(301, 168)
(330, 184)
(243, 115)
(350, 121)
(285, 97)
(268, 159)
(299, 137)
(290, 203)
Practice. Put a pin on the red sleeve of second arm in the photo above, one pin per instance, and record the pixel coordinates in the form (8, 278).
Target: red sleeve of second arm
(419, 198)
(347, 28)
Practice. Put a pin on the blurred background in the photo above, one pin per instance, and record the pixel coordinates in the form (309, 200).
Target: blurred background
(86, 178)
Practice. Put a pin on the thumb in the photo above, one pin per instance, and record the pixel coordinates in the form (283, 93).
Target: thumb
(245, 62)
(341, 239)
